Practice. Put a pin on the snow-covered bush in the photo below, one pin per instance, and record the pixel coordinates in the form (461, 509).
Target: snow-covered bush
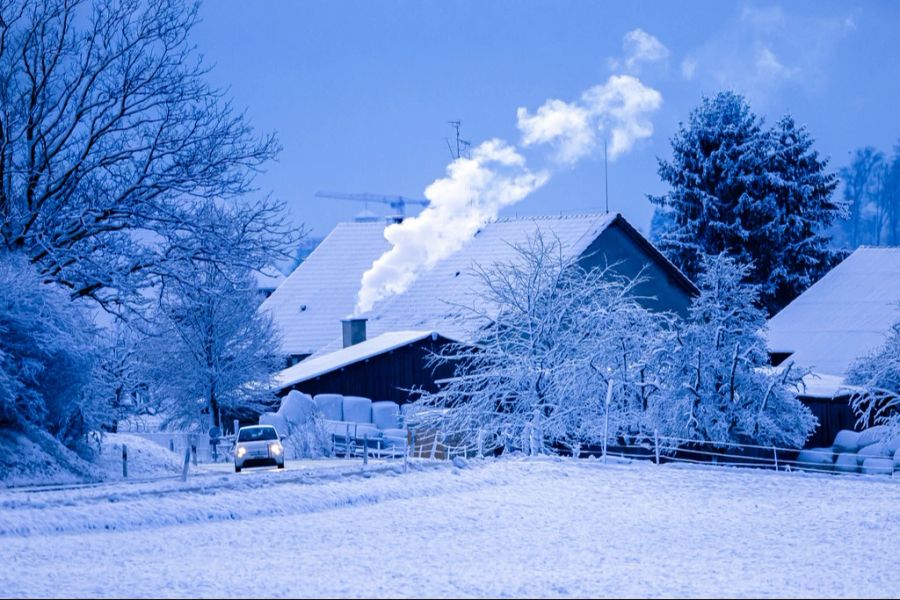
(550, 338)
(46, 356)
(878, 377)
(720, 387)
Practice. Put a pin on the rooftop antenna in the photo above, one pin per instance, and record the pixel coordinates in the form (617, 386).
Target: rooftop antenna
(605, 175)
(462, 146)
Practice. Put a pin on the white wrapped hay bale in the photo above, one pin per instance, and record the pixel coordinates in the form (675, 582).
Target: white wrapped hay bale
(846, 441)
(846, 462)
(876, 450)
(297, 407)
(331, 405)
(878, 466)
(873, 435)
(816, 459)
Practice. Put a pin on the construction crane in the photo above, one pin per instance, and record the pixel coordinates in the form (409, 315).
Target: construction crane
(398, 203)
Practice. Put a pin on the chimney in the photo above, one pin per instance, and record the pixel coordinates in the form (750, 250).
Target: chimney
(354, 331)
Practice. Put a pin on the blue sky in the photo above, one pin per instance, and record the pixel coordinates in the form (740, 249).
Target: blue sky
(360, 93)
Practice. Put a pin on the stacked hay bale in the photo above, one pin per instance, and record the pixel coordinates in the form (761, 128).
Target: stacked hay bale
(873, 451)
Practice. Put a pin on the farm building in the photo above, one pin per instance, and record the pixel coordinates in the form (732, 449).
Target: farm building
(309, 306)
(841, 318)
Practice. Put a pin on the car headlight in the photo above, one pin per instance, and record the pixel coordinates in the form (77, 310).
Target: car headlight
(241, 452)
(275, 448)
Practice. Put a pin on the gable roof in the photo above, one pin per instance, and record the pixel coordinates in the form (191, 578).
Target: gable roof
(326, 363)
(307, 306)
(328, 281)
(435, 300)
(843, 316)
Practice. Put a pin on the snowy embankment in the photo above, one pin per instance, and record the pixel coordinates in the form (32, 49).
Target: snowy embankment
(38, 459)
(540, 527)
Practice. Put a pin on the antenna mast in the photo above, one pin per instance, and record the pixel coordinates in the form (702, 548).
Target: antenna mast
(462, 146)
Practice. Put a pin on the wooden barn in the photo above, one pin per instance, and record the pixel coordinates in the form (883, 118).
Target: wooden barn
(383, 353)
(841, 318)
(383, 368)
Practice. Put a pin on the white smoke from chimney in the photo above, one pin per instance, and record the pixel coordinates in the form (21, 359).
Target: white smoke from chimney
(476, 189)
(472, 193)
(618, 109)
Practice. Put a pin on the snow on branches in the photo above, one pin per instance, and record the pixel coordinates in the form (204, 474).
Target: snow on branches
(567, 356)
(878, 378)
(763, 196)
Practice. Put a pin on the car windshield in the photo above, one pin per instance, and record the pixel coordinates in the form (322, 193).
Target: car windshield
(257, 434)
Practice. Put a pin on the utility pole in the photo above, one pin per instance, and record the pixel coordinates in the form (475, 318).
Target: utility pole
(605, 175)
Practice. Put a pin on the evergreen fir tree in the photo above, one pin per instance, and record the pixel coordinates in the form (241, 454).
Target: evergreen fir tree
(764, 197)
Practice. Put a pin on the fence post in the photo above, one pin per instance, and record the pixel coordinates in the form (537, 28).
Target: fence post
(480, 444)
(347, 443)
(187, 460)
(606, 418)
(656, 444)
(171, 445)
(365, 450)
(194, 450)
(124, 461)
(237, 425)
(412, 442)
(434, 444)
(775, 456)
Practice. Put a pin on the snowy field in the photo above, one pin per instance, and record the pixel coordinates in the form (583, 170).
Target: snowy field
(540, 527)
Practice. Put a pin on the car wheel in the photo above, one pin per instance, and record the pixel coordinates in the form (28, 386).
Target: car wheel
(280, 465)
(237, 469)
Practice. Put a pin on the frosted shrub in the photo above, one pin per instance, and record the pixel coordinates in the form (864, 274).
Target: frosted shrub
(721, 388)
(878, 376)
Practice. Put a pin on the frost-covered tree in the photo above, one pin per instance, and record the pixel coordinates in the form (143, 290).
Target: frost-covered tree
(109, 134)
(214, 353)
(861, 180)
(878, 377)
(46, 356)
(721, 388)
(550, 338)
(763, 196)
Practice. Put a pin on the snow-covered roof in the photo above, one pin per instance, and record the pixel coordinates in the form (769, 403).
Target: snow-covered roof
(435, 300)
(268, 279)
(308, 306)
(325, 363)
(819, 385)
(843, 316)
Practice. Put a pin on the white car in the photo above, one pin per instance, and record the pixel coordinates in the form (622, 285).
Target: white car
(257, 446)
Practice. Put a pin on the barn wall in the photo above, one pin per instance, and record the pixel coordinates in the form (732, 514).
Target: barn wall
(383, 377)
(615, 246)
(833, 415)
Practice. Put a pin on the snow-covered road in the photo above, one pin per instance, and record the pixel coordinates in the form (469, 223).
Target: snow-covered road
(504, 528)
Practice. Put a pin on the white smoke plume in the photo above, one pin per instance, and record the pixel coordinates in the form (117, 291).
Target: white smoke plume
(475, 189)
(618, 109)
(472, 193)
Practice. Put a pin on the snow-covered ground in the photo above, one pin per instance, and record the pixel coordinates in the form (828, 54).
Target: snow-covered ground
(516, 527)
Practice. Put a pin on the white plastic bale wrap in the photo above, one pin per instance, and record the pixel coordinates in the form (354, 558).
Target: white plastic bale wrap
(297, 407)
(331, 406)
(878, 466)
(357, 409)
(386, 414)
(846, 441)
(818, 459)
(846, 462)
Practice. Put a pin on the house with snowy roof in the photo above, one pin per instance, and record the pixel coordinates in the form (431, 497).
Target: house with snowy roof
(842, 317)
(383, 353)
